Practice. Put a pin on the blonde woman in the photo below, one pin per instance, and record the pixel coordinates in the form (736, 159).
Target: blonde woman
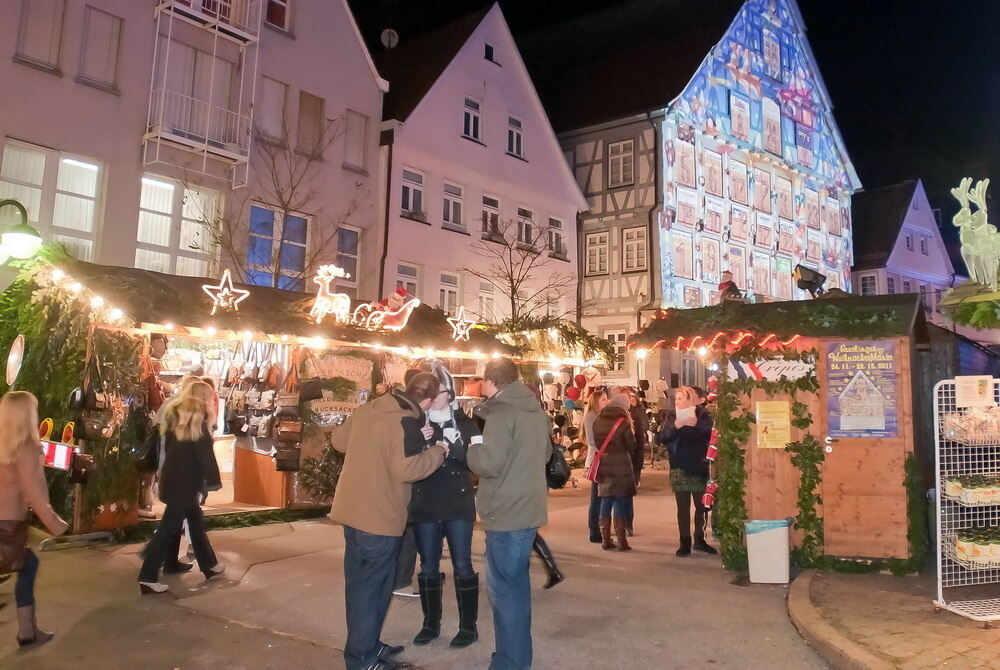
(22, 486)
(188, 472)
(596, 403)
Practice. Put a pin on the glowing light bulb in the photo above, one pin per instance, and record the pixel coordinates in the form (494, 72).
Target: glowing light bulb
(75, 287)
(116, 314)
(247, 335)
(284, 338)
(211, 331)
(640, 354)
(495, 354)
(58, 275)
(703, 351)
(96, 301)
(168, 326)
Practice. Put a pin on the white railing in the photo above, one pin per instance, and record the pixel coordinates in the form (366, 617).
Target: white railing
(195, 122)
(241, 15)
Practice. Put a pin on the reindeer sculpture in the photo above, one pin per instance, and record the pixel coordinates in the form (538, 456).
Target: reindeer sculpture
(980, 240)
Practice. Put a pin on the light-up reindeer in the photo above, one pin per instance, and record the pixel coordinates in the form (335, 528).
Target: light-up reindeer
(980, 241)
(338, 304)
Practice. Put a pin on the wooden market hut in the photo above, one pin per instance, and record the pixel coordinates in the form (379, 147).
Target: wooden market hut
(840, 377)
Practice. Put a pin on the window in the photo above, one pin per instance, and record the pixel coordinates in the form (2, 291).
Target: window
(923, 246)
(634, 249)
(172, 235)
(269, 115)
(355, 140)
(471, 120)
(597, 253)
(689, 371)
(347, 256)
(868, 285)
(890, 285)
(412, 202)
(487, 301)
(311, 129)
(491, 216)
(620, 157)
(277, 13)
(59, 191)
(525, 227)
(557, 247)
(448, 293)
(488, 53)
(408, 277)
(907, 286)
(514, 137)
(39, 35)
(909, 242)
(554, 306)
(452, 210)
(276, 249)
(99, 54)
(617, 340)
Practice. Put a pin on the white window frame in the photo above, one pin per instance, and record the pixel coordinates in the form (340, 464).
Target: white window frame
(407, 280)
(282, 129)
(174, 249)
(351, 282)
(691, 371)
(491, 216)
(634, 242)
(526, 227)
(620, 155)
(472, 119)
(515, 137)
(287, 4)
(21, 56)
(556, 238)
(277, 238)
(450, 293)
(86, 43)
(453, 206)
(412, 183)
(907, 286)
(48, 191)
(890, 285)
(600, 244)
(862, 286)
(487, 301)
(618, 338)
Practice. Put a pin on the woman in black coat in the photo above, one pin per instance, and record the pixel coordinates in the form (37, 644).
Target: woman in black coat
(444, 506)
(188, 472)
(686, 439)
(616, 473)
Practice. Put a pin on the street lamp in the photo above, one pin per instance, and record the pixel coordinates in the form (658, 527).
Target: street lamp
(20, 240)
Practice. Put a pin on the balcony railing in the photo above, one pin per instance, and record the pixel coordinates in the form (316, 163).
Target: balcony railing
(237, 18)
(198, 125)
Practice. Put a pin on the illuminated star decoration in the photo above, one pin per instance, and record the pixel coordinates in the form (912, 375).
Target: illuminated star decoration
(338, 304)
(225, 296)
(460, 326)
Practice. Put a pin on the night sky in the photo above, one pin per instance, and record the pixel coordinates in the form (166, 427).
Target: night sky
(915, 83)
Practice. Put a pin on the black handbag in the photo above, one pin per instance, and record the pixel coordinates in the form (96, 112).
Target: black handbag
(81, 467)
(94, 395)
(557, 469)
(147, 458)
(286, 459)
(89, 428)
(311, 389)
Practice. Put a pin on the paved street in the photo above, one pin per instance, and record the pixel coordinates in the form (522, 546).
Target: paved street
(283, 606)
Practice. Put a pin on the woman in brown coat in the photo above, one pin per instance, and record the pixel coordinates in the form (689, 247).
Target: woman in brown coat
(22, 486)
(615, 474)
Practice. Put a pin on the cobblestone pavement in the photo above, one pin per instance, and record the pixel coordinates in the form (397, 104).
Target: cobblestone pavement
(895, 618)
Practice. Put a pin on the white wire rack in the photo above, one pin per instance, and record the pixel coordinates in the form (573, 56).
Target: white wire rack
(964, 563)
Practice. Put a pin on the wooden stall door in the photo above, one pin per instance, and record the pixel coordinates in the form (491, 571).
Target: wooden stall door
(864, 498)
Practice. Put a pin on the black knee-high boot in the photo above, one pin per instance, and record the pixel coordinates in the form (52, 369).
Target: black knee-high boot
(549, 562)
(430, 601)
(467, 592)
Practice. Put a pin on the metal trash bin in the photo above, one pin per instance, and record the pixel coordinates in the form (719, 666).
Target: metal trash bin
(768, 550)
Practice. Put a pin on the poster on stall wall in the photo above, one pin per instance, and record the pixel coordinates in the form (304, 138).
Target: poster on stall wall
(328, 366)
(774, 423)
(861, 388)
(974, 391)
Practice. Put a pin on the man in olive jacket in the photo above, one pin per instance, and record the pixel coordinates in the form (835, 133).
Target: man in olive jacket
(512, 503)
(384, 443)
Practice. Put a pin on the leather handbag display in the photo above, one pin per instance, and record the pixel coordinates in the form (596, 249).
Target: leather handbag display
(591, 475)
(13, 541)
(286, 459)
(90, 428)
(288, 430)
(81, 467)
(286, 405)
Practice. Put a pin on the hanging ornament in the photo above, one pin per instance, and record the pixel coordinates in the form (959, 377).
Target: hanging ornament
(225, 296)
(460, 326)
(338, 304)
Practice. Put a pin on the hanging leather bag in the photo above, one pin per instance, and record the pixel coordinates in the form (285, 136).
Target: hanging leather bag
(591, 475)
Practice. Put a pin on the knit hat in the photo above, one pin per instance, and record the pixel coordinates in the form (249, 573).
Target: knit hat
(439, 370)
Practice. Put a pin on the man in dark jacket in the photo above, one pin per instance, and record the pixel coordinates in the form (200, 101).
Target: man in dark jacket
(384, 452)
(512, 504)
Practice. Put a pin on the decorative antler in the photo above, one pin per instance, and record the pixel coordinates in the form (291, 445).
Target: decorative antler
(962, 192)
(978, 195)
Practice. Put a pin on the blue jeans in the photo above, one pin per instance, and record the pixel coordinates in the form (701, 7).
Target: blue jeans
(509, 586)
(24, 588)
(620, 506)
(369, 572)
(429, 536)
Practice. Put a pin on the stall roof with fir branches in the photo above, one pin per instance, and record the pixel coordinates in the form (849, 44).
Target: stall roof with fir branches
(856, 317)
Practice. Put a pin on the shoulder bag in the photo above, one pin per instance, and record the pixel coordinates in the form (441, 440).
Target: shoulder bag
(13, 541)
(591, 475)
(557, 471)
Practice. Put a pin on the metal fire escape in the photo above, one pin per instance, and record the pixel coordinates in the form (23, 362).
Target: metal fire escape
(215, 127)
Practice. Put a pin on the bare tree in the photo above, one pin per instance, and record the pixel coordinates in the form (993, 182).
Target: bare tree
(285, 175)
(519, 266)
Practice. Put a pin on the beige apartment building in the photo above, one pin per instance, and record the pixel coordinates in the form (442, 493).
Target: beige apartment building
(184, 136)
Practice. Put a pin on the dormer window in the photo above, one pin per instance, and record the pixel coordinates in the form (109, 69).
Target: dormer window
(488, 53)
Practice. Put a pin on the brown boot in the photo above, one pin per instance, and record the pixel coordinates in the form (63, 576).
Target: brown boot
(622, 535)
(605, 525)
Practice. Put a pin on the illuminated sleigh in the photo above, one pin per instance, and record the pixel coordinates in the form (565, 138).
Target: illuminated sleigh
(374, 317)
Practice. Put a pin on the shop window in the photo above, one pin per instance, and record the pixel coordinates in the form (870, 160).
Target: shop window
(276, 249)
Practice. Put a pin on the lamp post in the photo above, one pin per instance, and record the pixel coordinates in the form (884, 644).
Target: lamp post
(20, 240)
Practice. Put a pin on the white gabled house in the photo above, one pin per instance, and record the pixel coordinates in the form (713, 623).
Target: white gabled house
(468, 149)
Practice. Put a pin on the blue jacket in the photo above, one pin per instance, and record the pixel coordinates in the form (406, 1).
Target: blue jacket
(687, 446)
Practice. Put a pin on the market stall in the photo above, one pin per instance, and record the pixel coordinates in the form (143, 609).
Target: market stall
(106, 345)
(815, 420)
